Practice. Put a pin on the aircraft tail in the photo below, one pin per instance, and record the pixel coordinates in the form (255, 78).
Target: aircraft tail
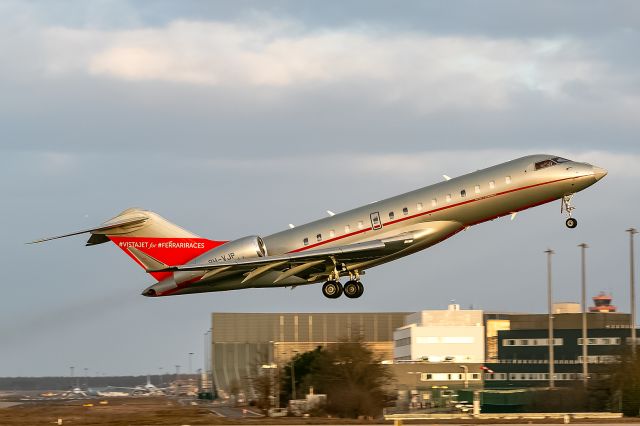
(149, 239)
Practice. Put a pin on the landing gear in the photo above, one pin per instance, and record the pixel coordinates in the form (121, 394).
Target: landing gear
(566, 206)
(353, 289)
(332, 289)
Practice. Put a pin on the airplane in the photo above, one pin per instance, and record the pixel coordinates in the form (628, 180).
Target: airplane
(345, 244)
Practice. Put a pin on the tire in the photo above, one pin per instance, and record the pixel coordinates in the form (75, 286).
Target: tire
(352, 289)
(332, 289)
(360, 289)
(571, 223)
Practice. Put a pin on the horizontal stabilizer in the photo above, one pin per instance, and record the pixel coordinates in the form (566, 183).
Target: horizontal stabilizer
(104, 227)
(145, 260)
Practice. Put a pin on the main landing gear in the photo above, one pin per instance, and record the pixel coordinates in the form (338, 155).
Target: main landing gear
(353, 288)
(567, 207)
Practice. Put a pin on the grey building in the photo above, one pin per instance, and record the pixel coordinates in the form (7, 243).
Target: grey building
(243, 343)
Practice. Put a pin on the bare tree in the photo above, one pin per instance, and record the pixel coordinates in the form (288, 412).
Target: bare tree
(353, 379)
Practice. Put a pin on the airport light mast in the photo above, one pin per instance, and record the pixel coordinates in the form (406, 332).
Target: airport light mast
(550, 305)
(585, 365)
(632, 285)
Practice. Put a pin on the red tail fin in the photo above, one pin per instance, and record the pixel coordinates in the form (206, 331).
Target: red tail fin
(158, 238)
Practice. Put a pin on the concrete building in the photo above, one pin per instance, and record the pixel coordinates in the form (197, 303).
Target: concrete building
(243, 343)
(451, 335)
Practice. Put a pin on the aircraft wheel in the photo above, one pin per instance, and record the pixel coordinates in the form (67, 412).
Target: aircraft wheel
(360, 289)
(571, 223)
(332, 289)
(352, 289)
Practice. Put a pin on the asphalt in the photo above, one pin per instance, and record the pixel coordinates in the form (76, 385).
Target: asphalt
(235, 412)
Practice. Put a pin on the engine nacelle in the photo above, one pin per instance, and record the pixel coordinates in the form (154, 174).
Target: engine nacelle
(242, 248)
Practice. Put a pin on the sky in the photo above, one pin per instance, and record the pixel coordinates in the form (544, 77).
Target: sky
(237, 118)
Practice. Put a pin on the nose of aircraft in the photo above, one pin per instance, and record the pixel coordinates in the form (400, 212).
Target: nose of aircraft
(599, 172)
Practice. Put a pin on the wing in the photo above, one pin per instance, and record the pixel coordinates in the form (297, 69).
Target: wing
(311, 264)
(289, 264)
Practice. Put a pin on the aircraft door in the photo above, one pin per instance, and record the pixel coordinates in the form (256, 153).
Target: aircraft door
(376, 223)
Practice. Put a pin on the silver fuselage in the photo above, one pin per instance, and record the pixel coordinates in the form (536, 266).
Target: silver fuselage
(454, 205)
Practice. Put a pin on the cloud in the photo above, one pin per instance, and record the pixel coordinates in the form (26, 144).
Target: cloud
(435, 71)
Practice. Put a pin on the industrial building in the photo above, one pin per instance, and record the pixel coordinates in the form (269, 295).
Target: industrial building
(242, 343)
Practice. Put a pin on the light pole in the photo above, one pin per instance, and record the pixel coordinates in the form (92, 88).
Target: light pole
(190, 356)
(632, 284)
(550, 305)
(585, 365)
(293, 376)
(71, 369)
(466, 375)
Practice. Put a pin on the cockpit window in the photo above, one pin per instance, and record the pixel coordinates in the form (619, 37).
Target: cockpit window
(550, 162)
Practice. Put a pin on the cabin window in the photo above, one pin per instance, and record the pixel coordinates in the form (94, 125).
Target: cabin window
(347, 229)
(492, 184)
(463, 193)
(405, 211)
(507, 179)
(419, 207)
(332, 233)
(391, 215)
(305, 241)
(319, 237)
(477, 189)
(448, 198)
(434, 202)
(360, 224)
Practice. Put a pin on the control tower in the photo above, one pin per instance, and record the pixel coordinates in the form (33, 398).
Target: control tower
(602, 303)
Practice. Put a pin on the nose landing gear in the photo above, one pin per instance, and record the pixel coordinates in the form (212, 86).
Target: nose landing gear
(567, 207)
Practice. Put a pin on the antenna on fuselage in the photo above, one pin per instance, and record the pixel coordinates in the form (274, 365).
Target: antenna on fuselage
(446, 177)
(330, 213)
(291, 225)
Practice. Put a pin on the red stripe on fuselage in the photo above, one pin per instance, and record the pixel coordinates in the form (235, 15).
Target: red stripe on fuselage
(392, 222)
(170, 251)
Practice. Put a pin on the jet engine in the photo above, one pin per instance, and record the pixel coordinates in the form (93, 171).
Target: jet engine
(242, 248)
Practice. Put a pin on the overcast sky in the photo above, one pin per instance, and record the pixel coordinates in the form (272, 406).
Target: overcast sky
(237, 118)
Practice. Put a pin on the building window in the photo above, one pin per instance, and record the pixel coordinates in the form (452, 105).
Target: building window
(434, 202)
(319, 237)
(406, 341)
(405, 211)
(448, 198)
(347, 229)
(391, 215)
(507, 179)
(305, 241)
(463, 193)
(419, 207)
(477, 189)
(492, 184)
